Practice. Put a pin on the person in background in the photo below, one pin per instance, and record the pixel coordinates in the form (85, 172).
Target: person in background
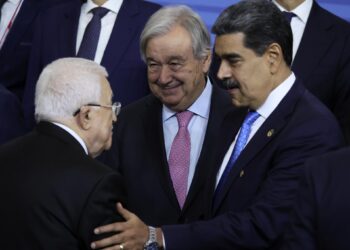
(278, 126)
(17, 19)
(321, 55)
(55, 192)
(321, 218)
(62, 30)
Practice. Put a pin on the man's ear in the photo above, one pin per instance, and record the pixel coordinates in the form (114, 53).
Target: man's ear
(84, 117)
(207, 62)
(274, 57)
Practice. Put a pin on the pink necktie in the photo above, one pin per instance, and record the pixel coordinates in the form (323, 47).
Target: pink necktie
(179, 158)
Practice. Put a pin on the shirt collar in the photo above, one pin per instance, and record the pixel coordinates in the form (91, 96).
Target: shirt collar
(111, 5)
(200, 107)
(276, 96)
(302, 10)
(74, 134)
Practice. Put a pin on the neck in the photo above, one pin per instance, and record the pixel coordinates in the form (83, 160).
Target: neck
(290, 4)
(99, 2)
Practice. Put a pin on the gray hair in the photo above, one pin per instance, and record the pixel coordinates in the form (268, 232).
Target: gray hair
(65, 85)
(162, 21)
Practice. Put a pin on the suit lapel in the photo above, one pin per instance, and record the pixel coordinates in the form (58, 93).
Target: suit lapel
(153, 125)
(68, 30)
(118, 42)
(269, 130)
(318, 28)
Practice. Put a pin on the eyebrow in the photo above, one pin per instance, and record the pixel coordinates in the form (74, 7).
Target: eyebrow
(230, 56)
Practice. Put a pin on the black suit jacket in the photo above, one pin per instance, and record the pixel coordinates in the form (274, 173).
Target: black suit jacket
(55, 37)
(141, 158)
(252, 210)
(321, 220)
(14, 54)
(323, 62)
(55, 195)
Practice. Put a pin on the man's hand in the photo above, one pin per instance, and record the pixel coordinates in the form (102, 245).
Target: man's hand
(132, 234)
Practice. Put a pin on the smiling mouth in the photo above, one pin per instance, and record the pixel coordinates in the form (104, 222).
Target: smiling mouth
(169, 86)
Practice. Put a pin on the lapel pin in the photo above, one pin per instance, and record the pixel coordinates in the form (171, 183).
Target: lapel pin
(241, 173)
(270, 132)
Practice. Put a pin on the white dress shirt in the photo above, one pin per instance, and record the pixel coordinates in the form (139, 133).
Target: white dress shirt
(270, 104)
(298, 23)
(197, 127)
(74, 134)
(107, 24)
(9, 12)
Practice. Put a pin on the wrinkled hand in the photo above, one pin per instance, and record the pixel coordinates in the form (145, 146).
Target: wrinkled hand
(132, 234)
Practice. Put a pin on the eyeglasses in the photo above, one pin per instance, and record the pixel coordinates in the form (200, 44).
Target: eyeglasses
(116, 107)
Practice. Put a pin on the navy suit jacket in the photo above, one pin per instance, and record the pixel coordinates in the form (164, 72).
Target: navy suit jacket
(14, 54)
(54, 191)
(323, 62)
(253, 207)
(321, 220)
(55, 37)
(11, 122)
(139, 154)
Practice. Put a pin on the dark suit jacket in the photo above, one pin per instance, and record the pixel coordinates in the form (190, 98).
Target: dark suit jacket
(11, 122)
(55, 37)
(252, 210)
(321, 220)
(323, 62)
(14, 54)
(141, 158)
(55, 195)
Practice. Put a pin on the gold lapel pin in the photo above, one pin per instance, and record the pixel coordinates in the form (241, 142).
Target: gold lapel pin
(241, 173)
(270, 132)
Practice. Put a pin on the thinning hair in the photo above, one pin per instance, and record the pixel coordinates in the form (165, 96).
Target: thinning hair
(162, 21)
(262, 24)
(65, 85)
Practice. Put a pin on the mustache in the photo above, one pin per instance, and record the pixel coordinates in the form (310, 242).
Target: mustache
(230, 84)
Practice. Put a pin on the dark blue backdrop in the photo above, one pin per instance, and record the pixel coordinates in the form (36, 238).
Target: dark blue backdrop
(210, 9)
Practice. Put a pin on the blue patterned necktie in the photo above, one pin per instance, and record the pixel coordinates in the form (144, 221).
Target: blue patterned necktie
(288, 16)
(241, 142)
(91, 36)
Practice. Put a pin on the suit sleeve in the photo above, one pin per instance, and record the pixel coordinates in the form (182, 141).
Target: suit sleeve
(100, 208)
(261, 224)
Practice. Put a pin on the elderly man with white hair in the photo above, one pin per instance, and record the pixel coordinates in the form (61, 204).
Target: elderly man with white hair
(55, 193)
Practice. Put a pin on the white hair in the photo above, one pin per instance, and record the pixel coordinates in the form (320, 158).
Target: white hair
(162, 21)
(65, 85)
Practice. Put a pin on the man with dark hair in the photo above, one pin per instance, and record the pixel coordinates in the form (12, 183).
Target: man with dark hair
(279, 125)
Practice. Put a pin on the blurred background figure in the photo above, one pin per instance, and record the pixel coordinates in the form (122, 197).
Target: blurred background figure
(321, 55)
(60, 32)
